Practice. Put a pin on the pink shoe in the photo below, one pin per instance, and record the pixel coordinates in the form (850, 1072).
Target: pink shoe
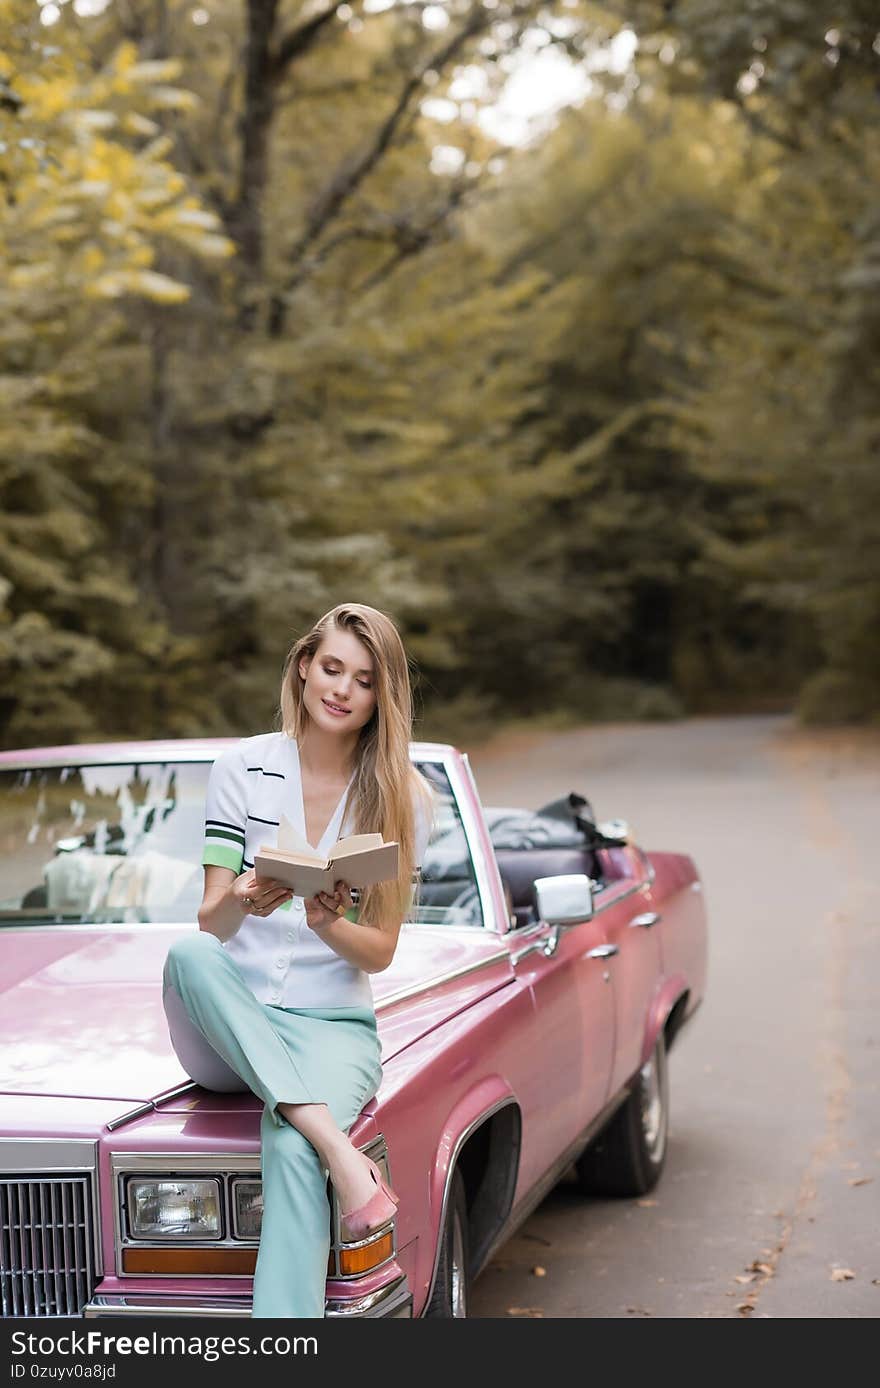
(369, 1218)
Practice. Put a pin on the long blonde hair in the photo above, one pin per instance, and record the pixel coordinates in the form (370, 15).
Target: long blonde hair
(386, 785)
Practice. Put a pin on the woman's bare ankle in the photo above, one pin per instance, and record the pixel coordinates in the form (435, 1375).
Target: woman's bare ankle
(338, 1152)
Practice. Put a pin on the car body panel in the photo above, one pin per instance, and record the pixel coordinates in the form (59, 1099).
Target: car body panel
(568, 1065)
(69, 987)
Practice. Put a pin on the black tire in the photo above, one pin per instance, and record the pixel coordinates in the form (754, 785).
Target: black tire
(449, 1299)
(627, 1157)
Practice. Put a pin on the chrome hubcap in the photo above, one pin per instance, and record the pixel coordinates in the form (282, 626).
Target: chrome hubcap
(459, 1304)
(653, 1091)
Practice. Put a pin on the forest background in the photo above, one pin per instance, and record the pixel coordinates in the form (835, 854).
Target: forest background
(283, 323)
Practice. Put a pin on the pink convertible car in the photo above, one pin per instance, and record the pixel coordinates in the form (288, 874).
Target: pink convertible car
(525, 1022)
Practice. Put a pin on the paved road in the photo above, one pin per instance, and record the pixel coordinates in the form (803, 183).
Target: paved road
(772, 1182)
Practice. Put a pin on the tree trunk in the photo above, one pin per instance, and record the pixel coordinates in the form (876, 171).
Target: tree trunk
(246, 220)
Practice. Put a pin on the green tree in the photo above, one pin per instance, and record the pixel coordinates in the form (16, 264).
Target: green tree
(91, 210)
(797, 382)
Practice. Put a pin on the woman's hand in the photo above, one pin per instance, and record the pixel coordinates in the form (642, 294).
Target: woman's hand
(259, 896)
(326, 907)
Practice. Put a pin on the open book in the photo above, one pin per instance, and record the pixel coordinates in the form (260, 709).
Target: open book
(361, 860)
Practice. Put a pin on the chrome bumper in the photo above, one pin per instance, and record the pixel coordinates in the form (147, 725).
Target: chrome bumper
(395, 1300)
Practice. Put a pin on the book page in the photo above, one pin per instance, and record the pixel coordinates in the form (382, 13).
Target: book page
(291, 841)
(303, 879)
(368, 867)
(305, 876)
(311, 860)
(355, 843)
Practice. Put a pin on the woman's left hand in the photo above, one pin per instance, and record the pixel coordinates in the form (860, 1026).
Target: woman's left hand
(326, 907)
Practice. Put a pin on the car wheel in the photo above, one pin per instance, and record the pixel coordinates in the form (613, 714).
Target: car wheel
(627, 1157)
(449, 1298)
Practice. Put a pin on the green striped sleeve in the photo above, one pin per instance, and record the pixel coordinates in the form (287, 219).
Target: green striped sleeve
(223, 855)
(224, 842)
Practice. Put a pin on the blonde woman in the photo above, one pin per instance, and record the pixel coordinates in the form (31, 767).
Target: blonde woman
(273, 992)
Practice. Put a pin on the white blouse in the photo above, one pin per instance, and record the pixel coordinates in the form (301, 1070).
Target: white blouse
(284, 962)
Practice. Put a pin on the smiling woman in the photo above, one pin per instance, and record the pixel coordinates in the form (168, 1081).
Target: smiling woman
(273, 994)
(333, 684)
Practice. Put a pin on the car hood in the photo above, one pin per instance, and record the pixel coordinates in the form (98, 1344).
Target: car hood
(81, 1008)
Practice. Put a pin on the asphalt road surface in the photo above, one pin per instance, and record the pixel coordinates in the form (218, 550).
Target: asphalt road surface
(770, 1201)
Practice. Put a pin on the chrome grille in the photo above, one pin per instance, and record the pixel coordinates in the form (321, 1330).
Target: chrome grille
(46, 1255)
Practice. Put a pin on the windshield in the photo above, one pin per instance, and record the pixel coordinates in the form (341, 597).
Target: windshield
(102, 843)
(83, 843)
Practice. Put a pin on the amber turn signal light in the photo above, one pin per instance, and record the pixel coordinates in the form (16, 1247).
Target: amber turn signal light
(212, 1262)
(353, 1260)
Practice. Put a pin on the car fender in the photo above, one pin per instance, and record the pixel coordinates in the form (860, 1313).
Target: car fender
(665, 997)
(472, 1109)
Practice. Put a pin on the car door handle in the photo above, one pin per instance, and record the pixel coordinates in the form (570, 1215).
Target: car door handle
(544, 944)
(647, 920)
(602, 952)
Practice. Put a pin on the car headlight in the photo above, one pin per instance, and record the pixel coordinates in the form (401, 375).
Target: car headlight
(247, 1209)
(171, 1209)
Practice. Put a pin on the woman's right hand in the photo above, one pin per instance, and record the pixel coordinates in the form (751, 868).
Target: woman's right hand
(259, 896)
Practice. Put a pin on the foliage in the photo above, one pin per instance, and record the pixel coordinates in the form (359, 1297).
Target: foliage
(284, 324)
(792, 381)
(90, 203)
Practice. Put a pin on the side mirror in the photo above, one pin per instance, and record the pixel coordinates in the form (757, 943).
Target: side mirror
(564, 900)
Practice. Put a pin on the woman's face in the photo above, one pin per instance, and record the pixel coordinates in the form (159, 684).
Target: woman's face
(339, 693)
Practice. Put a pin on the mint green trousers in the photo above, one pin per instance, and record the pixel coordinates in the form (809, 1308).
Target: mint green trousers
(226, 1039)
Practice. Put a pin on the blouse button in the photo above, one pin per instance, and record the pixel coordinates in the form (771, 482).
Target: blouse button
(290, 935)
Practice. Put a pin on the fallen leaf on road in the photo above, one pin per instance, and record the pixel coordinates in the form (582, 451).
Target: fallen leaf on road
(539, 1272)
(524, 1311)
(639, 1311)
(765, 1268)
(745, 1277)
(842, 1274)
(646, 1204)
(746, 1308)
(860, 1180)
